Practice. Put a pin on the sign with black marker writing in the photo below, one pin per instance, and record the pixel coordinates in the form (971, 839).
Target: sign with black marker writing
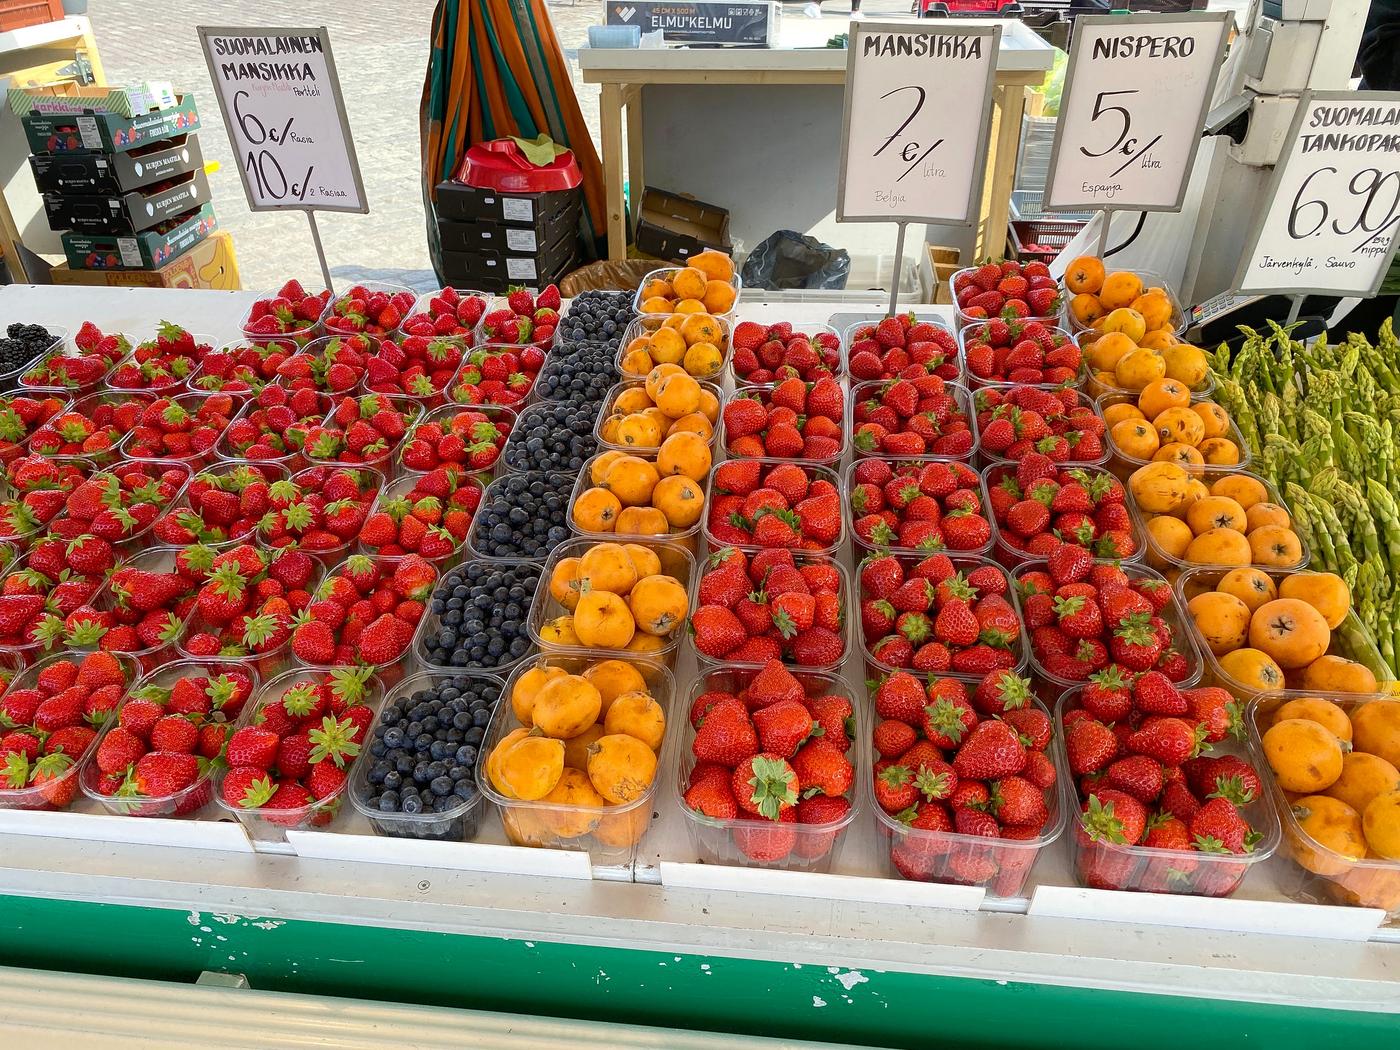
(917, 114)
(281, 103)
(1329, 218)
(1135, 99)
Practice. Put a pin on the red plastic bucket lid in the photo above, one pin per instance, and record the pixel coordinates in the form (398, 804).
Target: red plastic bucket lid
(501, 165)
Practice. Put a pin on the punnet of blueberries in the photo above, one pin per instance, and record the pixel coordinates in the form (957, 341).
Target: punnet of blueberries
(477, 616)
(582, 373)
(423, 751)
(22, 344)
(552, 435)
(598, 317)
(522, 516)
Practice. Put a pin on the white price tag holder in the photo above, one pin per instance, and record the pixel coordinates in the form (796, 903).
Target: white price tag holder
(914, 129)
(280, 98)
(1136, 94)
(1332, 209)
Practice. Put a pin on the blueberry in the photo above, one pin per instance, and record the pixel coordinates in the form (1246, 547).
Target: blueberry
(393, 780)
(412, 804)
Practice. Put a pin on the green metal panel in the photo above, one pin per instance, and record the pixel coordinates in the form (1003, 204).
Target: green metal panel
(645, 987)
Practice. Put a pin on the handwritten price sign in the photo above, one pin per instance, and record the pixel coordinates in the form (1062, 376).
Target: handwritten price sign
(914, 132)
(1135, 99)
(280, 98)
(1333, 207)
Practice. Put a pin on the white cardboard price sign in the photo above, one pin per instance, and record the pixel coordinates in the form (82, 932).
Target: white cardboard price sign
(1135, 99)
(1332, 209)
(281, 103)
(914, 132)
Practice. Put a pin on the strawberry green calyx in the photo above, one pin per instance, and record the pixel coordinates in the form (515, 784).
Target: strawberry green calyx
(15, 772)
(1102, 826)
(259, 793)
(300, 700)
(334, 741)
(298, 516)
(369, 406)
(157, 694)
(774, 786)
(348, 683)
(258, 629)
(945, 718)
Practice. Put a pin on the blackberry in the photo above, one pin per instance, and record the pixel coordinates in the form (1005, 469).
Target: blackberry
(598, 317)
(523, 516)
(22, 344)
(423, 754)
(579, 372)
(552, 435)
(480, 609)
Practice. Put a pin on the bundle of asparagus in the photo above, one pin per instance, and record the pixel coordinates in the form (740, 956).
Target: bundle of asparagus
(1323, 422)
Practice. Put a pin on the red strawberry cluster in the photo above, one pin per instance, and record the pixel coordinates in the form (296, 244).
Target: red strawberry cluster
(246, 603)
(429, 515)
(365, 430)
(461, 437)
(223, 503)
(1037, 509)
(39, 593)
(415, 365)
(243, 367)
(121, 501)
(186, 426)
(498, 375)
(335, 365)
(772, 756)
(769, 353)
(790, 420)
(160, 363)
(751, 609)
(47, 728)
(82, 368)
(1020, 352)
(290, 764)
(1018, 421)
(449, 312)
(166, 740)
(320, 510)
(1006, 290)
(22, 416)
(775, 505)
(955, 769)
(1135, 750)
(290, 311)
(938, 616)
(910, 417)
(524, 318)
(918, 506)
(39, 488)
(274, 425)
(366, 612)
(902, 347)
(1085, 617)
(143, 607)
(373, 311)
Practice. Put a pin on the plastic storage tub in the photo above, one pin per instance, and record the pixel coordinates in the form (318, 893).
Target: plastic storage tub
(814, 473)
(555, 480)
(221, 469)
(292, 459)
(972, 329)
(762, 393)
(1150, 279)
(807, 329)
(373, 483)
(963, 319)
(370, 286)
(863, 547)
(871, 389)
(421, 306)
(1123, 464)
(410, 409)
(302, 335)
(191, 403)
(400, 489)
(202, 381)
(315, 351)
(666, 273)
(989, 459)
(760, 843)
(646, 325)
(848, 337)
(1009, 556)
(687, 537)
(609, 834)
(610, 400)
(9, 381)
(107, 600)
(432, 623)
(502, 416)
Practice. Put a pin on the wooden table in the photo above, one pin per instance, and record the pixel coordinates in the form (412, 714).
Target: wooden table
(623, 74)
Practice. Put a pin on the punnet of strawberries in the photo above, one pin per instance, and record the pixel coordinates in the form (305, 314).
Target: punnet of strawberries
(81, 367)
(373, 311)
(772, 765)
(186, 426)
(1153, 768)
(425, 514)
(242, 367)
(365, 612)
(789, 420)
(1017, 421)
(291, 311)
(1017, 351)
(1038, 509)
(523, 318)
(38, 490)
(470, 438)
(767, 353)
(1087, 617)
(902, 347)
(247, 601)
(939, 616)
(918, 505)
(962, 778)
(273, 426)
(289, 766)
(753, 608)
(49, 718)
(415, 365)
(319, 510)
(365, 429)
(159, 759)
(498, 374)
(121, 501)
(911, 417)
(222, 503)
(335, 364)
(143, 607)
(1006, 290)
(24, 417)
(162, 362)
(448, 311)
(38, 593)
(757, 503)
